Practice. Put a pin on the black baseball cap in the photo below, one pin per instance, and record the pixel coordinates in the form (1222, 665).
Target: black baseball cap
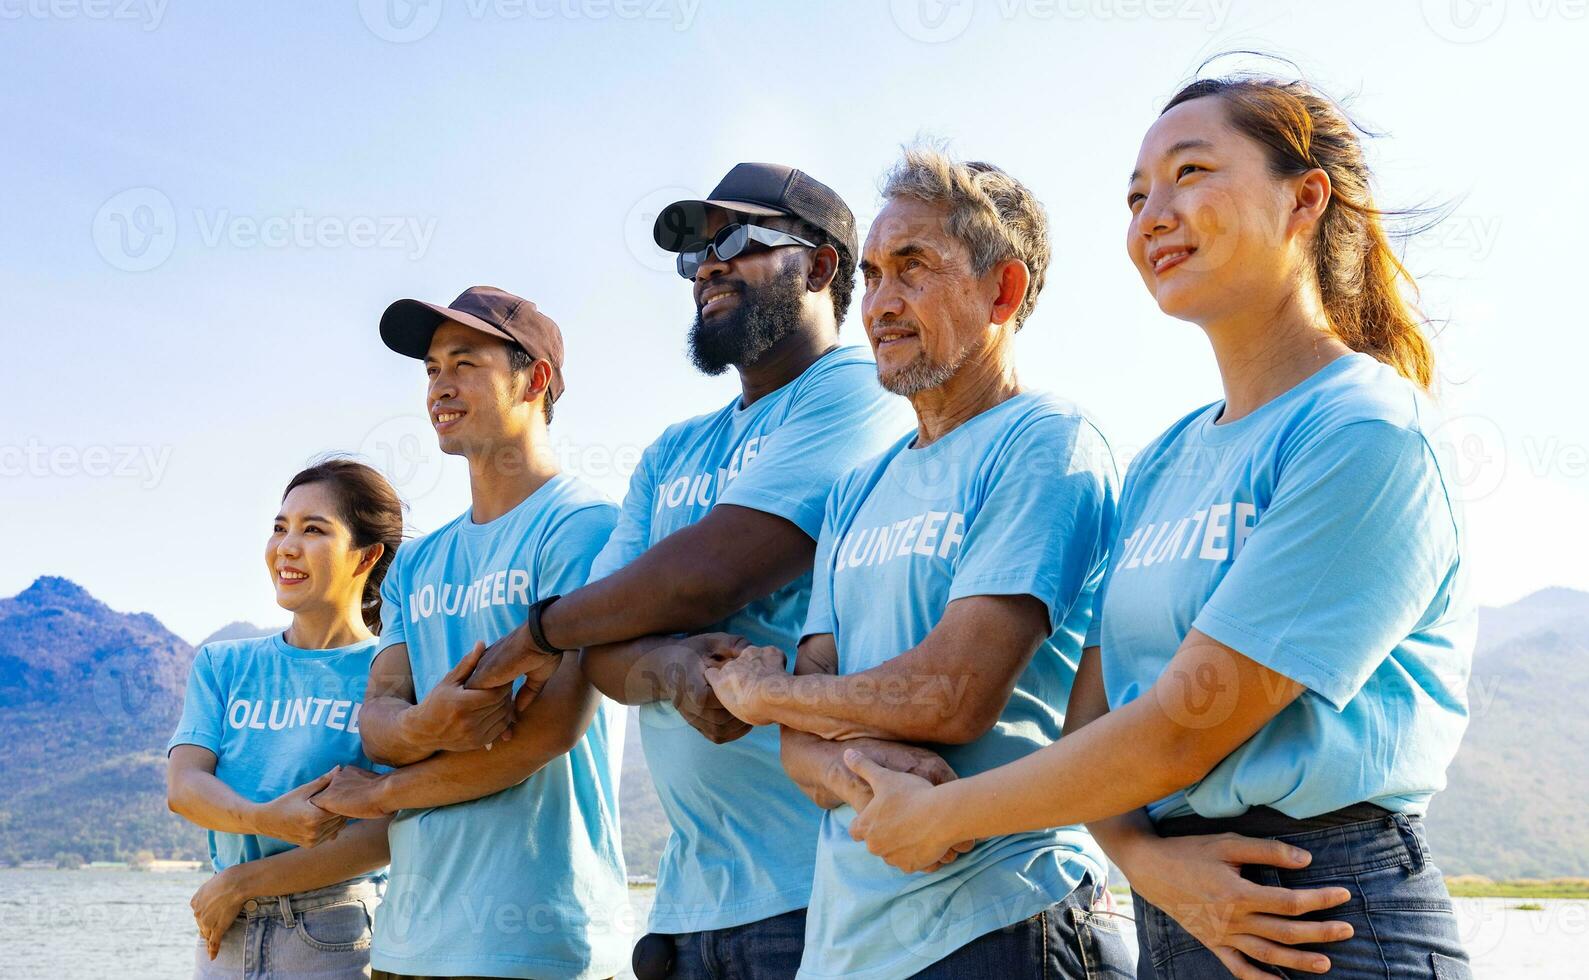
(408, 324)
(758, 190)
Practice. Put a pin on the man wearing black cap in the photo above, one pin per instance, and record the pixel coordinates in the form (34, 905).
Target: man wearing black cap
(717, 533)
(505, 853)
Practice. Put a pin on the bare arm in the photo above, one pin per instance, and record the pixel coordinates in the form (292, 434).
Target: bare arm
(950, 688)
(194, 792)
(1209, 701)
(672, 669)
(1198, 880)
(215, 905)
(694, 577)
(549, 726)
(398, 732)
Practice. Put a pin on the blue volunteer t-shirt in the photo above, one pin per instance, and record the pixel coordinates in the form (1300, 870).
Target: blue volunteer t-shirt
(529, 881)
(276, 717)
(1019, 500)
(1316, 537)
(743, 835)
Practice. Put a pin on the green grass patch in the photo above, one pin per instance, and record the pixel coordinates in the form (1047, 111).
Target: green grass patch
(1478, 886)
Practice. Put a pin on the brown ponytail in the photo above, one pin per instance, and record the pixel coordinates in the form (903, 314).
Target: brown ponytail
(1363, 284)
(373, 513)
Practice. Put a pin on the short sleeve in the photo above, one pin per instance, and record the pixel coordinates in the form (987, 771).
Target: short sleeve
(1043, 523)
(819, 611)
(1351, 554)
(392, 618)
(203, 707)
(565, 558)
(842, 419)
(632, 534)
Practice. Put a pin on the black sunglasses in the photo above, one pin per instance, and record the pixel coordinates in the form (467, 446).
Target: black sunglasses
(732, 241)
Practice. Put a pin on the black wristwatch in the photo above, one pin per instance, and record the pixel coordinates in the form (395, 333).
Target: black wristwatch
(533, 622)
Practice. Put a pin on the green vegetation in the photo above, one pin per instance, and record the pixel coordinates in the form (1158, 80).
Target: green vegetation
(1478, 886)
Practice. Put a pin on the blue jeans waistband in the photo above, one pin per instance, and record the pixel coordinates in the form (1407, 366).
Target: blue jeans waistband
(288, 906)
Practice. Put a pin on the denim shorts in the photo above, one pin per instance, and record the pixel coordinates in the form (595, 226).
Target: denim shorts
(323, 933)
(1404, 924)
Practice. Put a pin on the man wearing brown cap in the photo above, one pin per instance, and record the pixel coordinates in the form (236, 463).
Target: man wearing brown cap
(505, 853)
(718, 532)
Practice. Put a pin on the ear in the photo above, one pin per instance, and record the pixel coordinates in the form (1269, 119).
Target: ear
(824, 267)
(1310, 197)
(540, 378)
(1013, 278)
(372, 554)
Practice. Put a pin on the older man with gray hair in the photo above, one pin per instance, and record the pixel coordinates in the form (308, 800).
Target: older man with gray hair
(954, 581)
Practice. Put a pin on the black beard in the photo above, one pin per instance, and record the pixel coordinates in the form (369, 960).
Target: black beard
(744, 335)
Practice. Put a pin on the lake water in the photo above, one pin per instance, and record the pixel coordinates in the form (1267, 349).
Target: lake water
(132, 926)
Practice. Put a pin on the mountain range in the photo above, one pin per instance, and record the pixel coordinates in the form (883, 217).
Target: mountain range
(90, 694)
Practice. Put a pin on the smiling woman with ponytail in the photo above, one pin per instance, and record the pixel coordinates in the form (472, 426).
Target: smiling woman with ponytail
(265, 724)
(1275, 680)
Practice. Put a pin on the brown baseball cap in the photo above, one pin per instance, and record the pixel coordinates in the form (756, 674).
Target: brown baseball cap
(408, 324)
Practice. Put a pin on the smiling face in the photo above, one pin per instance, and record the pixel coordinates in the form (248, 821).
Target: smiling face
(310, 553)
(1212, 230)
(746, 305)
(474, 399)
(925, 309)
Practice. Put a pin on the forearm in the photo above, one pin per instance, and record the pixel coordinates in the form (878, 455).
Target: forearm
(632, 672)
(1119, 763)
(809, 760)
(655, 595)
(688, 581)
(546, 730)
(201, 798)
(888, 701)
(388, 734)
(360, 848)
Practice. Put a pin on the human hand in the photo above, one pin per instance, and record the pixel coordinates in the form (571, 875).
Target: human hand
(899, 824)
(353, 792)
(216, 906)
(293, 818)
(741, 684)
(453, 717)
(1197, 881)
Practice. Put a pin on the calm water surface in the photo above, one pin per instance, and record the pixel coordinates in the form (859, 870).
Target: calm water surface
(137, 926)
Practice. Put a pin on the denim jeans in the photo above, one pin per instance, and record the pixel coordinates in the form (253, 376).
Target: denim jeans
(1066, 941)
(322, 934)
(1404, 925)
(768, 949)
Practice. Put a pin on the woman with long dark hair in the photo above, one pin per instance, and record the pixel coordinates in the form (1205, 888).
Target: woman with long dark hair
(267, 721)
(1276, 680)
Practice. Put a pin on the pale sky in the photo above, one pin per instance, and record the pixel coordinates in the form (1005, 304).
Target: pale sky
(208, 206)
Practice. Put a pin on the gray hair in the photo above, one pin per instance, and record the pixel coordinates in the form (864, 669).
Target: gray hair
(994, 214)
